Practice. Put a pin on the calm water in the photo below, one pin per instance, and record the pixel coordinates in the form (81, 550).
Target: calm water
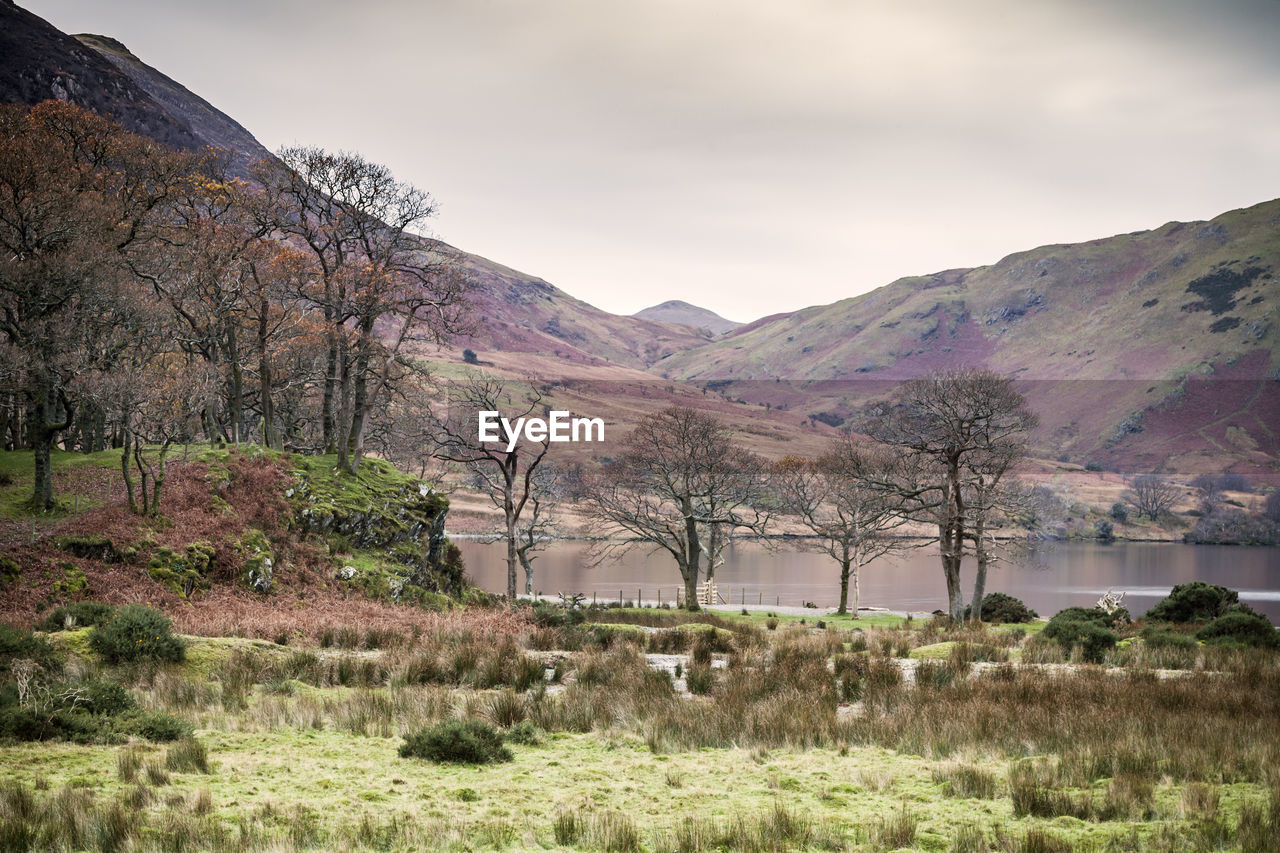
(1058, 575)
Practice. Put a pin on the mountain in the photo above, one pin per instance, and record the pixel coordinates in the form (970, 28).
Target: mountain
(210, 126)
(38, 62)
(676, 311)
(519, 313)
(1145, 349)
(514, 312)
(1142, 352)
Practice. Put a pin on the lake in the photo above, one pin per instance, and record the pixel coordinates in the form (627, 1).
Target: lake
(1058, 575)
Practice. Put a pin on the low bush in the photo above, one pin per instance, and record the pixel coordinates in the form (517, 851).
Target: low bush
(1239, 628)
(1196, 601)
(79, 614)
(699, 679)
(1088, 629)
(1159, 637)
(456, 742)
(1001, 608)
(1225, 526)
(524, 733)
(137, 633)
(98, 697)
(19, 644)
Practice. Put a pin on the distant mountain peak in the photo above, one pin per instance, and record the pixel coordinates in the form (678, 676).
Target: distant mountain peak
(679, 311)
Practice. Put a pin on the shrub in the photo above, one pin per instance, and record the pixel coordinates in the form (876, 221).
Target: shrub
(1196, 601)
(161, 728)
(1223, 526)
(1119, 512)
(524, 733)
(1159, 637)
(1090, 629)
(1238, 627)
(1104, 530)
(1272, 507)
(19, 644)
(99, 697)
(10, 571)
(999, 607)
(137, 633)
(80, 614)
(699, 679)
(456, 742)
(469, 356)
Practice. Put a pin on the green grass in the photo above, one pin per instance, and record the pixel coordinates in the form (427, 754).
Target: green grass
(19, 467)
(304, 766)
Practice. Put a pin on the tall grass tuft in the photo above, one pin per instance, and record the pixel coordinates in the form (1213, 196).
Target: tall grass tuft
(964, 781)
(187, 756)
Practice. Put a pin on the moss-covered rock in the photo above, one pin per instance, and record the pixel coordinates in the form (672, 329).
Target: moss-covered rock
(184, 572)
(376, 507)
(10, 572)
(93, 548)
(379, 510)
(258, 569)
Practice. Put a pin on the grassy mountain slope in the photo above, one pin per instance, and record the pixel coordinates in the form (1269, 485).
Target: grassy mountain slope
(1166, 334)
(677, 311)
(519, 313)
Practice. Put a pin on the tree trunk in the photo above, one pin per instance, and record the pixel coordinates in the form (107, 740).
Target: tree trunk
(360, 403)
(235, 393)
(693, 557)
(328, 427)
(128, 478)
(980, 576)
(269, 436)
(844, 587)
(43, 431)
(527, 565)
(857, 589)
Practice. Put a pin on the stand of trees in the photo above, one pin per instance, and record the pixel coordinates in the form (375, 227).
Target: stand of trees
(148, 298)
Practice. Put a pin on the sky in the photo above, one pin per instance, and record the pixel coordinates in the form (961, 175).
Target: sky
(749, 156)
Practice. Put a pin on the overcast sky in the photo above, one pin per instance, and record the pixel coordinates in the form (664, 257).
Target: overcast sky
(750, 156)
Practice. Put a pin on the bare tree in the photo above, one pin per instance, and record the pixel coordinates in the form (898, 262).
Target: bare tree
(538, 525)
(371, 265)
(1152, 496)
(680, 476)
(504, 470)
(836, 497)
(954, 432)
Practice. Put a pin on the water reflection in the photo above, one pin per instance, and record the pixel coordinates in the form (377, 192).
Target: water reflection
(1057, 576)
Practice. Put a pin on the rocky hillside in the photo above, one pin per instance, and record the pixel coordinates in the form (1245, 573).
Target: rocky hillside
(677, 311)
(245, 532)
(38, 63)
(1150, 349)
(210, 126)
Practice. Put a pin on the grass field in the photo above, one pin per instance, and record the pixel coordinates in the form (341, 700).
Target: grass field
(796, 737)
